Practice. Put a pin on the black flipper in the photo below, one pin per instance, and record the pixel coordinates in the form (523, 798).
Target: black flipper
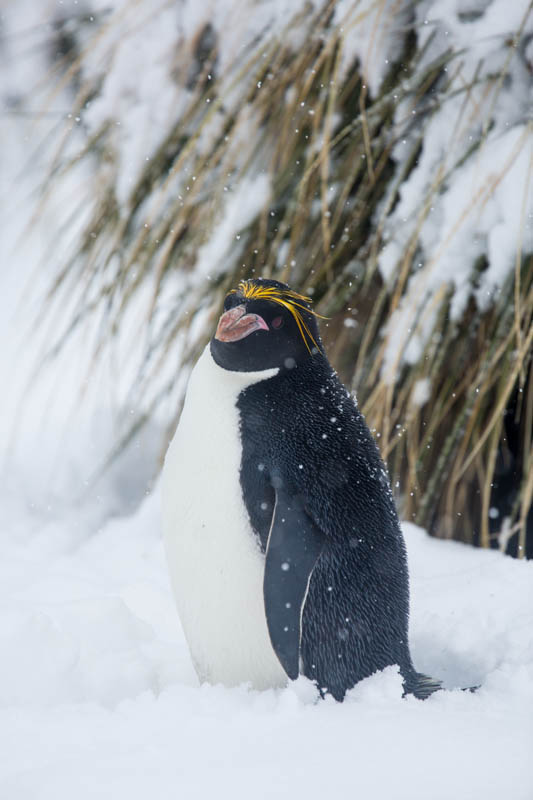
(294, 545)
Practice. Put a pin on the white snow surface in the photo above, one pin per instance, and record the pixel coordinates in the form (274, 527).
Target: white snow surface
(99, 697)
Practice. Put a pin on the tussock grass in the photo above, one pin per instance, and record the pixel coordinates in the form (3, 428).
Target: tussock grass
(328, 147)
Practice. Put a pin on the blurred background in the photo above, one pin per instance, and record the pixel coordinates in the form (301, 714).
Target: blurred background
(376, 155)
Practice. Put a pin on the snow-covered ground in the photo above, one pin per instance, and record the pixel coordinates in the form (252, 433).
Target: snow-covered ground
(99, 698)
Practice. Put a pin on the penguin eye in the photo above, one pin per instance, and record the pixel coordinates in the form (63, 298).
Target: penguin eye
(277, 322)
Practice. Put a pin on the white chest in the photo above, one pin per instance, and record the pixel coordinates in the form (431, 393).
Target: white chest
(215, 563)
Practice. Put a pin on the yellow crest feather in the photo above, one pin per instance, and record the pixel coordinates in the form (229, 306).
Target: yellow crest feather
(290, 300)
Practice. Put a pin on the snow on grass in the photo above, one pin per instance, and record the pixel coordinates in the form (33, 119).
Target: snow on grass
(371, 36)
(241, 207)
(99, 697)
(473, 170)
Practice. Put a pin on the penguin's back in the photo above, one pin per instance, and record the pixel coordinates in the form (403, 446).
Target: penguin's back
(215, 561)
(313, 439)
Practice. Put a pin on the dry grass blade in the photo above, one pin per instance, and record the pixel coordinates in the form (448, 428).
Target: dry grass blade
(290, 162)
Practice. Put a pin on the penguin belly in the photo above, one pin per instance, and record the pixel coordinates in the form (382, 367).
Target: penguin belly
(214, 558)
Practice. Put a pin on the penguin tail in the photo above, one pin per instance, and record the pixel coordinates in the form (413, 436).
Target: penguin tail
(421, 686)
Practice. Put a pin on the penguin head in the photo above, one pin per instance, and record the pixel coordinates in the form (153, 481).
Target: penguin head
(265, 324)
